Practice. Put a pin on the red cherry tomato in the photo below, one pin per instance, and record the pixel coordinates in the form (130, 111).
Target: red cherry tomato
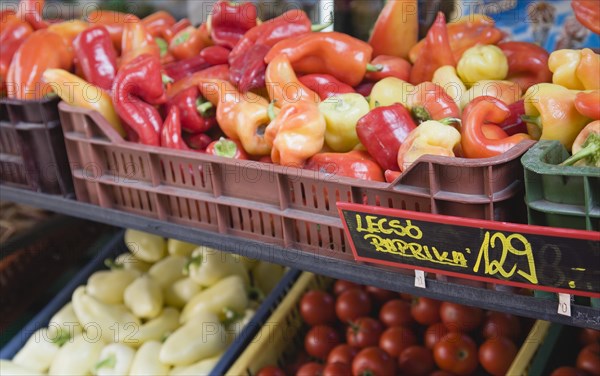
(373, 361)
(589, 359)
(497, 354)
(460, 318)
(337, 369)
(343, 353)
(416, 361)
(320, 340)
(498, 324)
(364, 332)
(340, 286)
(352, 304)
(396, 313)
(317, 308)
(456, 353)
(568, 371)
(588, 336)
(311, 369)
(270, 371)
(434, 333)
(380, 296)
(397, 338)
(425, 311)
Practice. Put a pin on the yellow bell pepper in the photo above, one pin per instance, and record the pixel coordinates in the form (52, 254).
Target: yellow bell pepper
(390, 90)
(144, 246)
(13, 369)
(448, 79)
(201, 337)
(342, 112)
(181, 291)
(108, 286)
(168, 270)
(482, 62)
(115, 360)
(77, 357)
(146, 361)
(208, 266)
(38, 352)
(550, 114)
(201, 368)
(155, 329)
(144, 297)
(507, 91)
(180, 248)
(563, 64)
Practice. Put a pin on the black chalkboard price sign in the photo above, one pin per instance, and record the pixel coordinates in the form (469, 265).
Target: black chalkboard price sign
(535, 257)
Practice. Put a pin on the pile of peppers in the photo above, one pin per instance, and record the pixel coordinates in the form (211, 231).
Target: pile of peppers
(284, 91)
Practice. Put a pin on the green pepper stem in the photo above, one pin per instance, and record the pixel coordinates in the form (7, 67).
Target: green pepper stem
(320, 27)
(181, 39)
(166, 79)
(204, 108)
(271, 110)
(108, 362)
(162, 45)
(449, 121)
(421, 114)
(374, 68)
(194, 261)
(61, 338)
(587, 151)
(226, 148)
(537, 120)
(111, 264)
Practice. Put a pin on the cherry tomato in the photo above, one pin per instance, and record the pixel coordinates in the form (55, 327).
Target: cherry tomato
(352, 304)
(497, 354)
(317, 308)
(337, 369)
(397, 338)
(380, 296)
(340, 286)
(364, 332)
(589, 359)
(456, 353)
(416, 361)
(588, 336)
(311, 369)
(460, 318)
(425, 311)
(343, 353)
(373, 361)
(568, 371)
(270, 371)
(320, 340)
(434, 333)
(396, 313)
(498, 324)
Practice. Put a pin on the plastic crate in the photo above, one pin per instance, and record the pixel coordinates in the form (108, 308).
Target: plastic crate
(283, 334)
(116, 246)
(32, 150)
(279, 205)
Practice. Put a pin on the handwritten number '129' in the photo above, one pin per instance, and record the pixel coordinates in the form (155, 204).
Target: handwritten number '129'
(497, 266)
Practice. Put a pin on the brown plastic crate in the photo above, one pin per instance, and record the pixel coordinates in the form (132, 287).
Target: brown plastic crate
(32, 151)
(288, 207)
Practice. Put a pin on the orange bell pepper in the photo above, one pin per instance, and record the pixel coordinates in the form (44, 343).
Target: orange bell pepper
(114, 22)
(24, 80)
(14, 33)
(463, 34)
(396, 30)
(187, 43)
(137, 41)
(283, 84)
(158, 24)
(297, 133)
(436, 53)
(588, 104)
(69, 29)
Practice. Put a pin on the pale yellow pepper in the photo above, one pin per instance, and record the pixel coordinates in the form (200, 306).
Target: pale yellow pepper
(575, 69)
(448, 79)
(390, 90)
(482, 62)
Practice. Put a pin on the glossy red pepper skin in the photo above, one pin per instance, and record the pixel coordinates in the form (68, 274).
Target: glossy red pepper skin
(253, 75)
(325, 85)
(187, 43)
(187, 102)
(198, 141)
(588, 13)
(436, 52)
(230, 22)
(391, 176)
(215, 148)
(340, 55)
(31, 11)
(170, 134)
(514, 123)
(159, 24)
(14, 33)
(218, 72)
(527, 63)
(431, 102)
(473, 141)
(114, 22)
(96, 56)
(382, 131)
(210, 56)
(177, 27)
(588, 104)
(354, 164)
(137, 89)
(364, 88)
(391, 66)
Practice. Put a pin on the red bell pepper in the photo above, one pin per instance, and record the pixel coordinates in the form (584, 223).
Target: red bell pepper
(588, 104)
(96, 56)
(253, 76)
(210, 56)
(396, 30)
(176, 28)
(229, 22)
(198, 141)
(138, 87)
(382, 131)
(137, 41)
(31, 12)
(436, 52)
(227, 148)
(391, 176)
(474, 142)
(365, 88)
(158, 24)
(325, 85)
(430, 101)
(197, 114)
(114, 23)
(14, 33)
(514, 123)
(170, 134)
(390, 66)
(187, 43)
(588, 13)
(527, 63)
(354, 164)
(219, 72)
